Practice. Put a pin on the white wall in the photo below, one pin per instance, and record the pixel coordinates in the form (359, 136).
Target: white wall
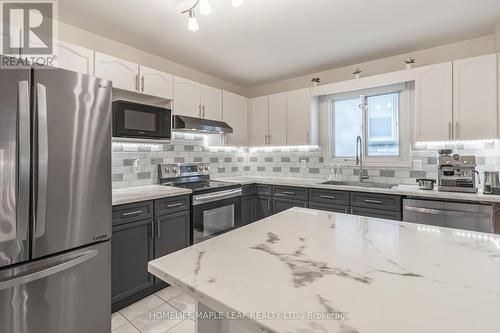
(102, 44)
(496, 35)
(468, 48)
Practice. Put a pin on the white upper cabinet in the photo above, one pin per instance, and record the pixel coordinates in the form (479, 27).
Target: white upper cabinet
(74, 58)
(124, 74)
(277, 120)
(187, 98)
(475, 98)
(301, 118)
(211, 103)
(234, 112)
(258, 118)
(434, 103)
(156, 83)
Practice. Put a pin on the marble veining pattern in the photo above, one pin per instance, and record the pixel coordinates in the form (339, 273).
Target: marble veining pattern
(386, 276)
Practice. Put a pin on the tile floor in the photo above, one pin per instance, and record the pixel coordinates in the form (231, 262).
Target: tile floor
(140, 317)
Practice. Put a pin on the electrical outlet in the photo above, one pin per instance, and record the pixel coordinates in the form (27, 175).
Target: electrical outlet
(417, 165)
(136, 166)
(303, 163)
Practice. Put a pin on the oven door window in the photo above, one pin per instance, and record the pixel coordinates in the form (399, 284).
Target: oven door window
(217, 220)
(214, 218)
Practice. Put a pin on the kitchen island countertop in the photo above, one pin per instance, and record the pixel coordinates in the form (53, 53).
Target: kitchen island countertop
(342, 273)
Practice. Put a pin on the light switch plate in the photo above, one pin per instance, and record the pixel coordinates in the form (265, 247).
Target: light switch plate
(417, 165)
(136, 166)
(303, 164)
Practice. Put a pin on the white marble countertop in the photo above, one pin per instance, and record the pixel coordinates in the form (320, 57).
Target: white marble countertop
(406, 190)
(386, 276)
(143, 193)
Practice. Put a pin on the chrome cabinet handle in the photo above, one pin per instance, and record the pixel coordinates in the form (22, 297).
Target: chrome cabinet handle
(269, 205)
(158, 232)
(328, 197)
(142, 83)
(346, 210)
(352, 211)
(175, 205)
(27, 277)
(374, 201)
(43, 159)
(137, 212)
(199, 111)
(23, 156)
(288, 193)
(204, 109)
(136, 82)
(269, 139)
(152, 230)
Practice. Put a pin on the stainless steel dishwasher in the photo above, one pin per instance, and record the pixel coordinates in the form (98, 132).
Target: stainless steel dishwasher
(458, 215)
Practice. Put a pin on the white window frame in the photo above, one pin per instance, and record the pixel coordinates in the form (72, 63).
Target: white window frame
(406, 106)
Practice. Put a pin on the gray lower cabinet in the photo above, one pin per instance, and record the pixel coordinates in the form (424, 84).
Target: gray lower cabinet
(329, 207)
(377, 213)
(263, 207)
(280, 205)
(132, 248)
(135, 243)
(248, 205)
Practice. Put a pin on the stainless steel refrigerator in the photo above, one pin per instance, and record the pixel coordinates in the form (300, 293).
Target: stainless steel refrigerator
(55, 202)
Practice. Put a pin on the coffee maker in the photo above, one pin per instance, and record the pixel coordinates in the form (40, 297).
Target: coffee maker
(457, 173)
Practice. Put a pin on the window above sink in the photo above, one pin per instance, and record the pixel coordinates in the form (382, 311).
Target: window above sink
(381, 116)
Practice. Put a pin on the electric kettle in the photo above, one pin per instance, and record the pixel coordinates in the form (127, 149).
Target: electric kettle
(491, 182)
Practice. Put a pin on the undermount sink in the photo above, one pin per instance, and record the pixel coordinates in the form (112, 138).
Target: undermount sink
(358, 184)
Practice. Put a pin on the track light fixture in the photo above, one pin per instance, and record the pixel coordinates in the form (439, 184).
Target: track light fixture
(205, 9)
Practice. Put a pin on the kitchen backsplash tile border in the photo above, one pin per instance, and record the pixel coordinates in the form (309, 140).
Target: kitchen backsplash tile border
(136, 164)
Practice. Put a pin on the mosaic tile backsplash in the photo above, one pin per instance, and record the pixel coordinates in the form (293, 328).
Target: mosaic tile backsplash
(137, 164)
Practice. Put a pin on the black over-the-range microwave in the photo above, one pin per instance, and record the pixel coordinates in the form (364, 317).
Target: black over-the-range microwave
(133, 120)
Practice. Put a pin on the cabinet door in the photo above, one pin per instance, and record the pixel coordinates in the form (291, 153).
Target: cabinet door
(172, 233)
(329, 207)
(75, 58)
(124, 74)
(234, 112)
(186, 97)
(211, 103)
(248, 210)
(434, 103)
(132, 249)
(280, 205)
(277, 119)
(258, 120)
(299, 118)
(157, 83)
(475, 98)
(263, 208)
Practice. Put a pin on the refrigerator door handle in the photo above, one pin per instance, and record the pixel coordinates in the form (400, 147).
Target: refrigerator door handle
(23, 109)
(43, 156)
(37, 274)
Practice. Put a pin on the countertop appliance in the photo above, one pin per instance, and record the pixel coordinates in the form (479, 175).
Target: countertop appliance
(216, 206)
(473, 217)
(55, 202)
(491, 182)
(133, 120)
(200, 125)
(457, 173)
(426, 184)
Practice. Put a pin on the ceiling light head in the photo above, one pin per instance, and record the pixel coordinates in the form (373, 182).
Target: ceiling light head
(192, 21)
(205, 8)
(237, 3)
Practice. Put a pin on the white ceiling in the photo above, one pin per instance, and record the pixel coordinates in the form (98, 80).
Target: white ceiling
(270, 40)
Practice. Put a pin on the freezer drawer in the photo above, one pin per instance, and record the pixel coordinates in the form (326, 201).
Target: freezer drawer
(474, 217)
(65, 293)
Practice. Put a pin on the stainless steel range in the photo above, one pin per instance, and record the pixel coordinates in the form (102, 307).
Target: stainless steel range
(216, 206)
(457, 173)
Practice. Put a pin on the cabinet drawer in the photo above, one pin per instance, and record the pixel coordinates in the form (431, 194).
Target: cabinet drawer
(132, 212)
(329, 197)
(289, 192)
(263, 190)
(329, 207)
(380, 201)
(377, 213)
(280, 205)
(248, 190)
(171, 205)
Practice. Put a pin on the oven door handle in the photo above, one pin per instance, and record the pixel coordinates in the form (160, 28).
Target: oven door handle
(204, 198)
(446, 212)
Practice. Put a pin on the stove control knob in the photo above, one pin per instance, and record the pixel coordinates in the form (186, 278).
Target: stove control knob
(167, 170)
(175, 170)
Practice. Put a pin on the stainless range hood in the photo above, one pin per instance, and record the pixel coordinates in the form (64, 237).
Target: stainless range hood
(199, 125)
